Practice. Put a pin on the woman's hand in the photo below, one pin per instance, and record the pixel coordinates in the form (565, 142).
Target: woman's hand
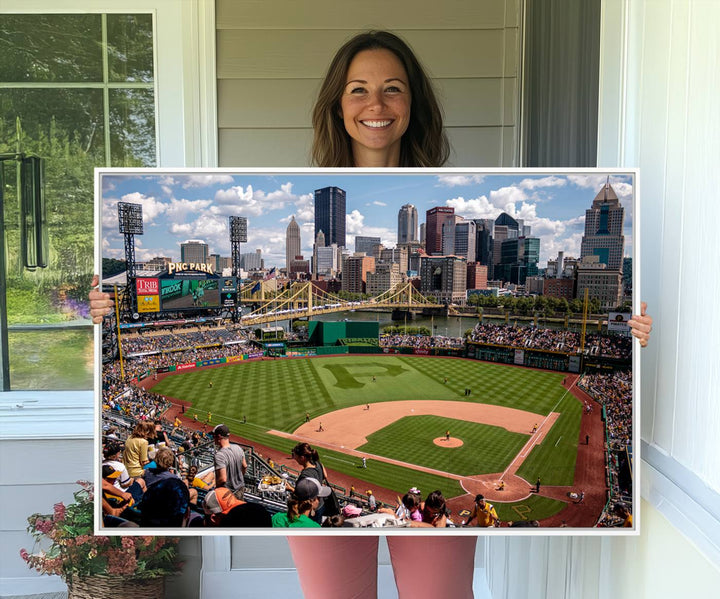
(640, 326)
(100, 303)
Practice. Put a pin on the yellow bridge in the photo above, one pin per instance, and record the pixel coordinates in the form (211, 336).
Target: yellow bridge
(305, 300)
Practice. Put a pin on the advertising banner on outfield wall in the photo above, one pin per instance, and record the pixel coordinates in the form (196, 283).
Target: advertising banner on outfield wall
(211, 362)
(618, 322)
(189, 366)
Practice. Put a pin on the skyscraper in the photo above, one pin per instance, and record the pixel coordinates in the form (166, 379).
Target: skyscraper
(407, 224)
(506, 227)
(604, 229)
(435, 218)
(292, 243)
(465, 243)
(445, 277)
(330, 214)
(319, 243)
(355, 270)
(484, 242)
(366, 244)
(195, 251)
(519, 258)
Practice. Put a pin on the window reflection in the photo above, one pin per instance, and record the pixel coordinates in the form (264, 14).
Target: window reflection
(61, 115)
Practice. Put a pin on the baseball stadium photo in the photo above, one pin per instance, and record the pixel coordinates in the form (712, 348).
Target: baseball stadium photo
(324, 349)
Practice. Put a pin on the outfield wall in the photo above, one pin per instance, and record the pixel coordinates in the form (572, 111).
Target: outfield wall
(543, 359)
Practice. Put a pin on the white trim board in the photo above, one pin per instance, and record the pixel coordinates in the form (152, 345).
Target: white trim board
(680, 495)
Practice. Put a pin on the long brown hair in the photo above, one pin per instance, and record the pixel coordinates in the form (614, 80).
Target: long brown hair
(144, 430)
(305, 450)
(423, 144)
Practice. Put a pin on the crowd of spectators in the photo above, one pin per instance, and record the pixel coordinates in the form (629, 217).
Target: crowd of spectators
(611, 346)
(181, 338)
(139, 365)
(421, 341)
(614, 391)
(134, 402)
(531, 337)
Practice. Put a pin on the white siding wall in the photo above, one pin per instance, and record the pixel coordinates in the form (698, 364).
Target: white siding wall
(660, 81)
(45, 447)
(271, 57)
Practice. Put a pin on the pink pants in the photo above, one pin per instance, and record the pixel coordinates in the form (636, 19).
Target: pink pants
(346, 567)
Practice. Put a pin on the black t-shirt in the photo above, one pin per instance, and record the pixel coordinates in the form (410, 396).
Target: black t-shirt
(315, 472)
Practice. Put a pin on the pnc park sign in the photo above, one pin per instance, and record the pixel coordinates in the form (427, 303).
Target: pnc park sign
(187, 266)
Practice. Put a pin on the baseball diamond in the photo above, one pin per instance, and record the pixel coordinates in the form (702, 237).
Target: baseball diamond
(395, 410)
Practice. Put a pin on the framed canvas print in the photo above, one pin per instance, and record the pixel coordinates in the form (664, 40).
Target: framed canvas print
(396, 351)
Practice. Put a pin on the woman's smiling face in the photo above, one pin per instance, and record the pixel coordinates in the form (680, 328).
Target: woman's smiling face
(375, 107)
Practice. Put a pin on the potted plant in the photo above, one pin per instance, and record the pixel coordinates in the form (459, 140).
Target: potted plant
(98, 566)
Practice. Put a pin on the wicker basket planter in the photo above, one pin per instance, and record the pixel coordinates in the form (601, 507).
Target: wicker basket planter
(116, 587)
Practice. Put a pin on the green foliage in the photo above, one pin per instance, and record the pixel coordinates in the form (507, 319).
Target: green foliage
(112, 267)
(402, 330)
(367, 341)
(66, 127)
(57, 358)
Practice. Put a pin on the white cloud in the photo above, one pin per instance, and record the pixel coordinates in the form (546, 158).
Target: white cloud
(505, 198)
(550, 246)
(379, 203)
(474, 208)
(354, 223)
(245, 201)
(204, 180)
(271, 242)
(305, 209)
(551, 181)
(459, 180)
(181, 210)
(242, 201)
(181, 229)
(621, 186)
(151, 208)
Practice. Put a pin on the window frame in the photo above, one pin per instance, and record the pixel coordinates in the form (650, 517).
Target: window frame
(183, 33)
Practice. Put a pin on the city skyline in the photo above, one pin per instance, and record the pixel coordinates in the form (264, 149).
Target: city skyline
(196, 205)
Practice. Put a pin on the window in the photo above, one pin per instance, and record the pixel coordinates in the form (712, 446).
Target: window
(78, 91)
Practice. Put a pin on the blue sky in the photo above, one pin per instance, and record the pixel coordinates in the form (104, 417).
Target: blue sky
(197, 204)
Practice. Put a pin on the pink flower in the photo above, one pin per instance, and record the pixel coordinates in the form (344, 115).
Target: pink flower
(43, 526)
(128, 543)
(24, 555)
(59, 512)
(121, 561)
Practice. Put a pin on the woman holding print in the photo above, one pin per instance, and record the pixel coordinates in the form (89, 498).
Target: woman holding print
(377, 108)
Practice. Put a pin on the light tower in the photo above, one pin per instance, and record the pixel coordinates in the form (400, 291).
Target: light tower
(130, 222)
(238, 235)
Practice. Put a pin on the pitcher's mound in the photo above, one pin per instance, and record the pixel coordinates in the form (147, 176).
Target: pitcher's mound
(451, 442)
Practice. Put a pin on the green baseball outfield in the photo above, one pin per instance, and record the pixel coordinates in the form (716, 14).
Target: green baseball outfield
(397, 411)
